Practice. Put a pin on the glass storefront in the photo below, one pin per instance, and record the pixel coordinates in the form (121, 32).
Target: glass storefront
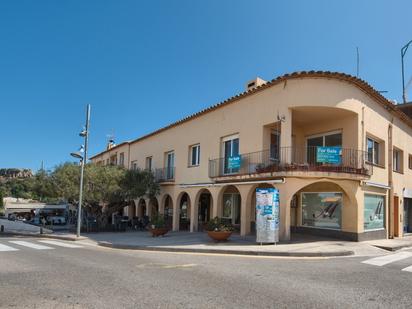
(231, 207)
(322, 210)
(374, 212)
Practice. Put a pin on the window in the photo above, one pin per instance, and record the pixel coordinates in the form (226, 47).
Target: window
(232, 160)
(148, 164)
(374, 212)
(274, 145)
(373, 147)
(107, 161)
(194, 155)
(322, 210)
(331, 139)
(410, 162)
(170, 165)
(134, 165)
(397, 160)
(113, 160)
(121, 159)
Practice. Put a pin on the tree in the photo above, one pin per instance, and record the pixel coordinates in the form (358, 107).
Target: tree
(106, 189)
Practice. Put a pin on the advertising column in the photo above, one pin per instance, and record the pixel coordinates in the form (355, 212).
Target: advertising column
(267, 215)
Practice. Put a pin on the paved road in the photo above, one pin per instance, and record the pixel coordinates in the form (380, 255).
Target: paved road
(58, 274)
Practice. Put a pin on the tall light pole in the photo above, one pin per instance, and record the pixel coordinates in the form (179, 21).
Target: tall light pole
(403, 52)
(83, 160)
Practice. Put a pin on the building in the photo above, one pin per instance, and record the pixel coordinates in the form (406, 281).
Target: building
(339, 153)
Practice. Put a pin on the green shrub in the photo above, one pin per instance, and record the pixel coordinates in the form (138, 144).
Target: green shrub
(158, 222)
(218, 225)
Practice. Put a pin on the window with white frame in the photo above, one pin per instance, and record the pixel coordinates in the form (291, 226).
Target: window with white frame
(397, 160)
(373, 150)
(121, 159)
(194, 155)
(148, 164)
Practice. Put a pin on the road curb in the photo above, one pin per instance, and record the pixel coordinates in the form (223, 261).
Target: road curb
(234, 252)
(394, 248)
(60, 237)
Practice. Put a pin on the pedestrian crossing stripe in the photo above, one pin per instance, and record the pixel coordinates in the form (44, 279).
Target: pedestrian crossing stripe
(30, 245)
(408, 269)
(60, 244)
(4, 248)
(387, 259)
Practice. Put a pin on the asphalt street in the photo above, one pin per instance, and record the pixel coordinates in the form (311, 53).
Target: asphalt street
(37, 273)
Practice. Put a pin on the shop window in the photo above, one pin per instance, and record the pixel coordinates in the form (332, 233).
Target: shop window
(374, 212)
(322, 210)
(231, 207)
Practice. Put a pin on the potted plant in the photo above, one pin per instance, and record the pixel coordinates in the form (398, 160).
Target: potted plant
(158, 226)
(219, 230)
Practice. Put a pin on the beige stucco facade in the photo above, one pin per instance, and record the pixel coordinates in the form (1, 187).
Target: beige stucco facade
(286, 115)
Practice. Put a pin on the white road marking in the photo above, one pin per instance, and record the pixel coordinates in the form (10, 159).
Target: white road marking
(409, 269)
(30, 245)
(387, 259)
(60, 244)
(4, 248)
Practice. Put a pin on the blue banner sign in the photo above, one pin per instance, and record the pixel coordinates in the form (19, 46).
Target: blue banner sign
(331, 155)
(267, 215)
(234, 162)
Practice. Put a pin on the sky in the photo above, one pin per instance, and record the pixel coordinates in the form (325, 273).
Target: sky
(144, 64)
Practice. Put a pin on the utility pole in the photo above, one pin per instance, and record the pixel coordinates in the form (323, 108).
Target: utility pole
(85, 134)
(403, 52)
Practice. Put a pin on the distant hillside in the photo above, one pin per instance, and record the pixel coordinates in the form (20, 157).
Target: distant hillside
(7, 173)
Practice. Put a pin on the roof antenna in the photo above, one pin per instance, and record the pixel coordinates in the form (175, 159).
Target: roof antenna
(357, 61)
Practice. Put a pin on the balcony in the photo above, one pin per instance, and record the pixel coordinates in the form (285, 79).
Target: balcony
(165, 174)
(291, 159)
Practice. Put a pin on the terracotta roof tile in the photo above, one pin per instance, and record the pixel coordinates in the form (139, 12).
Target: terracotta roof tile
(361, 84)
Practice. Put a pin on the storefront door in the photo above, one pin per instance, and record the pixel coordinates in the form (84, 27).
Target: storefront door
(407, 215)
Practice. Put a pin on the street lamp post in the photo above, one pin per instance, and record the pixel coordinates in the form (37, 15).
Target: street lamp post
(83, 161)
(403, 52)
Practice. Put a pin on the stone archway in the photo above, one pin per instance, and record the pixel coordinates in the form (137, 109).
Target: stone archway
(141, 208)
(322, 208)
(154, 206)
(167, 206)
(131, 210)
(229, 205)
(184, 209)
(204, 204)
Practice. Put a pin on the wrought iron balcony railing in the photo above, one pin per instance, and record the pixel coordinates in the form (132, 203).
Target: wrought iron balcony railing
(165, 174)
(288, 159)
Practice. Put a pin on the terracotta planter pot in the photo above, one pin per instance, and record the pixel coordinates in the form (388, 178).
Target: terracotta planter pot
(219, 235)
(159, 231)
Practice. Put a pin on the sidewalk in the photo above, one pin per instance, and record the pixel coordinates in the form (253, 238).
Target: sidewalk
(392, 244)
(299, 246)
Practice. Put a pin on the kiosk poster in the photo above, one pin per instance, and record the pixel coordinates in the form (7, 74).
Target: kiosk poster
(267, 215)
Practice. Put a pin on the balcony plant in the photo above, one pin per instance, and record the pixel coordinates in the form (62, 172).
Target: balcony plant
(219, 230)
(158, 226)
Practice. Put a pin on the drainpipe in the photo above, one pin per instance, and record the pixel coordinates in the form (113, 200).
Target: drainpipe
(391, 220)
(363, 130)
